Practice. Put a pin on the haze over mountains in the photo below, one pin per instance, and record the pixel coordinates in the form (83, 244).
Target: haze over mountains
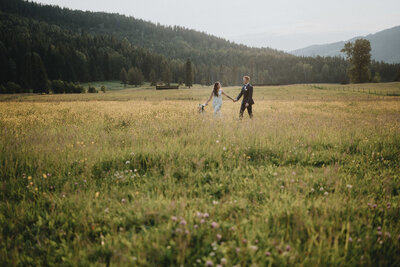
(385, 46)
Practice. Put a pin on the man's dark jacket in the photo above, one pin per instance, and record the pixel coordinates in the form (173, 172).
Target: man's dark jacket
(247, 93)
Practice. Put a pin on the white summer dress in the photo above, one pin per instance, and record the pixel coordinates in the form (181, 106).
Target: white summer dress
(217, 103)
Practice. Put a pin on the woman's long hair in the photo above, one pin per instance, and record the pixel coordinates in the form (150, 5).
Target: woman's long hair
(216, 87)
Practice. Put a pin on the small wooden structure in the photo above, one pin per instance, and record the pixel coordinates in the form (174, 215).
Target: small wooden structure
(166, 87)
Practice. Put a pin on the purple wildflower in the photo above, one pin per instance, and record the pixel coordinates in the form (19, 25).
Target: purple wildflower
(214, 225)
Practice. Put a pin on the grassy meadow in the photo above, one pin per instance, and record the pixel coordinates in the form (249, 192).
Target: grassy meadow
(136, 177)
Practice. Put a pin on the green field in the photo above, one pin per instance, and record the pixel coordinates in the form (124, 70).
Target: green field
(136, 177)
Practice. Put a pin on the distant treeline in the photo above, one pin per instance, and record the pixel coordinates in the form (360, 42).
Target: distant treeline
(40, 43)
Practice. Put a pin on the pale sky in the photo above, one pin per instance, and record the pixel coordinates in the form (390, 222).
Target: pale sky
(281, 24)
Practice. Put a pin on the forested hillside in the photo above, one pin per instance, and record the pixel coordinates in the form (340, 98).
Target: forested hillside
(40, 42)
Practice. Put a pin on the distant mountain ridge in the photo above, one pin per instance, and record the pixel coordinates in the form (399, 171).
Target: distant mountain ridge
(385, 46)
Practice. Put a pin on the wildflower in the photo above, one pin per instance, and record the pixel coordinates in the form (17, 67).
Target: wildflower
(374, 206)
(183, 222)
(350, 239)
(123, 200)
(256, 241)
(267, 253)
(359, 240)
(233, 228)
(187, 232)
(209, 263)
(237, 250)
(275, 173)
(173, 218)
(282, 186)
(349, 186)
(202, 221)
(215, 202)
(196, 226)
(369, 204)
(206, 215)
(29, 177)
(178, 230)
(388, 205)
(321, 189)
(199, 214)
(387, 234)
(288, 248)
(326, 193)
(379, 228)
(44, 176)
(224, 148)
(244, 241)
(97, 194)
(254, 248)
(312, 189)
(214, 225)
(379, 233)
(218, 265)
(224, 261)
(127, 162)
(219, 236)
(217, 141)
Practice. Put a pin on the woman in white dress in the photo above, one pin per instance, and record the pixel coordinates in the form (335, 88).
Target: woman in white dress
(217, 93)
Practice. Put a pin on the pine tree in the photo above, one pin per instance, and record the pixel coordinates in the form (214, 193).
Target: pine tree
(166, 75)
(189, 74)
(26, 75)
(106, 67)
(135, 76)
(40, 83)
(123, 76)
(153, 78)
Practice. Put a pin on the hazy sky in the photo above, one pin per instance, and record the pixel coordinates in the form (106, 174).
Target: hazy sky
(280, 24)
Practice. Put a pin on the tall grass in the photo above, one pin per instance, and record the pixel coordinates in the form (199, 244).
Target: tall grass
(118, 180)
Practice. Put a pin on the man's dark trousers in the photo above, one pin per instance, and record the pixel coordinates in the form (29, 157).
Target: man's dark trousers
(243, 108)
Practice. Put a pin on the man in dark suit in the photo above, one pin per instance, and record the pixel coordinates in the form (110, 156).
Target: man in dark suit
(247, 93)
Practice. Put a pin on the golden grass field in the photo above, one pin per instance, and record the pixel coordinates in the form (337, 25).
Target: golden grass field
(136, 177)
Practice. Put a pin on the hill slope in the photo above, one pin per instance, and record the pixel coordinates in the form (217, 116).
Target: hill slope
(80, 46)
(385, 46)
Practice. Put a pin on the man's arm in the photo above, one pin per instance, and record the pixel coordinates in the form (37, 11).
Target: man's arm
(240, 95)
(250, 94)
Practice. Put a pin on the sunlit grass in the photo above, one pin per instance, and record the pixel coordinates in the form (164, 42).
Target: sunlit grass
(138, 177)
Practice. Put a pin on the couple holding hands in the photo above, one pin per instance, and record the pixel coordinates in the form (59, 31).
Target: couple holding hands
(246, 92)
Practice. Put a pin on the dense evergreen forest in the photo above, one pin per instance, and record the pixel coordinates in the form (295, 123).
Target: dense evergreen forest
(41, 42)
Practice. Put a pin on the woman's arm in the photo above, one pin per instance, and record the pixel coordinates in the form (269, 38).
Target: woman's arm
(208, 99)
(227, 96)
